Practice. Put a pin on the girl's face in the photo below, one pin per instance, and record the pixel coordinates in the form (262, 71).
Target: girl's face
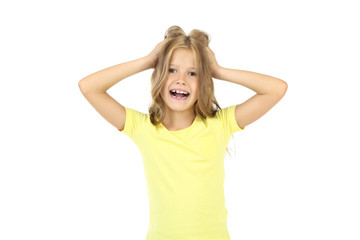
(182, 77)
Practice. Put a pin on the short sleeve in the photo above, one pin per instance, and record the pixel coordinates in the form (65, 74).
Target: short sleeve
(134, 121)
(228, 120)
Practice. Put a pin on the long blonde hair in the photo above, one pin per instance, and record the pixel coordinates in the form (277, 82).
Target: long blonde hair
(196, 41)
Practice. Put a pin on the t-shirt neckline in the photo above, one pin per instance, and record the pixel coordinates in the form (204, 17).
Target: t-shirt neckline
(181, 130)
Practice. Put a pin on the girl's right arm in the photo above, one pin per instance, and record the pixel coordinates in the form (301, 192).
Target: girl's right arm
(94, 86)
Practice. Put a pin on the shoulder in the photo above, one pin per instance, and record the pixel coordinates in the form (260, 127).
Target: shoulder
(224, 113)
(134, 121)
(226, 118)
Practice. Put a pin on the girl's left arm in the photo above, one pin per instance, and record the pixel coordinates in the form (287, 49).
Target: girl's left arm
(269, 90)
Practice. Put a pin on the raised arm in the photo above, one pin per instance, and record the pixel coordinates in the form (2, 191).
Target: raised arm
(269, 90)
(94, 86)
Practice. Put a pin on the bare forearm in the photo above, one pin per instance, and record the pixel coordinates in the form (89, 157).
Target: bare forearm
(102, 80)
(260, 83)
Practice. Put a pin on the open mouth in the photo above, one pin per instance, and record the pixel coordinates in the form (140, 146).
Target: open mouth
(179, 95)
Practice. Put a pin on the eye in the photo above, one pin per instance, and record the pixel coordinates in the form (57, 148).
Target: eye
(172, 70)
(192, 74)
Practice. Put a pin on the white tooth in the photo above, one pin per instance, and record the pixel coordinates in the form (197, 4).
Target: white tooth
(179, 91)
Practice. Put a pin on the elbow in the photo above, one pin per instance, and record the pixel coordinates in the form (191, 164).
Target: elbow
(279, 89)
(283, 86)
(88, 86)
(83, 86)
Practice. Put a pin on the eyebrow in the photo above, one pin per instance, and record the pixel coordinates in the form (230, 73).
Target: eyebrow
(174, 65)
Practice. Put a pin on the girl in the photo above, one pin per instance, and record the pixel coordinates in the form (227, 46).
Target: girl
(184, 136)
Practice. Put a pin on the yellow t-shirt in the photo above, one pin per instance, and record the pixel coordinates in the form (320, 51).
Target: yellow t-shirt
(184, 170)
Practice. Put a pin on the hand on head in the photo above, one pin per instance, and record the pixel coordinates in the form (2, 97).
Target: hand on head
(213, 64)
(154, 55)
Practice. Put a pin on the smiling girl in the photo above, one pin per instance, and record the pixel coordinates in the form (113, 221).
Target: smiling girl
(184, 136)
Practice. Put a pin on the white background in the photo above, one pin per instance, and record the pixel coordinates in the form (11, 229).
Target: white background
(66, 173)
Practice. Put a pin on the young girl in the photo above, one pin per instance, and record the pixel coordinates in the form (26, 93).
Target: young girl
(184, 136)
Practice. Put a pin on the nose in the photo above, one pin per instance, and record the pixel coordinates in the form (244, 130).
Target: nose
(181, 79)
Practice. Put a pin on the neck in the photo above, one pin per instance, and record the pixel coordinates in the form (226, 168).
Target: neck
(174, 121)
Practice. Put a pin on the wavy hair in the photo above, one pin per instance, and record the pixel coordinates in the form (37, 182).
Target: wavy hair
(196, 41)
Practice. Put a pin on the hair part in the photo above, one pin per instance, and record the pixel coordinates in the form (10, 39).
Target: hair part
(196, 41)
